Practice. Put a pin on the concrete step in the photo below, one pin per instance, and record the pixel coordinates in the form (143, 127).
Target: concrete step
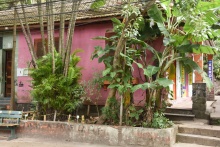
(4, 101)
(2, 107)
(203, 130)
(198, 139)
(179, 110)
(189, 145)
(5, 98)
(214, 118)
(179, 117)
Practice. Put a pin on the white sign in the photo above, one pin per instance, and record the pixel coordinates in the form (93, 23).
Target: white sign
(22, 72)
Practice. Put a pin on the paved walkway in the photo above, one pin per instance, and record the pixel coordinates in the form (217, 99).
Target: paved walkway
(27, 142)
(31, 142)
(182, 103)
(186, 103)
(188, 145)
(215, 114)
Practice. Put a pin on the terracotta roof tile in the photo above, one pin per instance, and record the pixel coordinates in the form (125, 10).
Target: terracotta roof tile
(112, 8)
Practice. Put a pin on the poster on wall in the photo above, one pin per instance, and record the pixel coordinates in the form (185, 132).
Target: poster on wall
(183, 83)
(190, 75)
(182, 75)
(210, 69)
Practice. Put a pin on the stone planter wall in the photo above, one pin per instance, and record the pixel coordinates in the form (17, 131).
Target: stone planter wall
(99, 134)
(199, 98)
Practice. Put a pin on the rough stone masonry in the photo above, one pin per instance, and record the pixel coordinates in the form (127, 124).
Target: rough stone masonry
(98, 134)
(199, 100)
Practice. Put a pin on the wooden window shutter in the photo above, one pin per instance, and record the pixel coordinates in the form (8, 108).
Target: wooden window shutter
(39, 49)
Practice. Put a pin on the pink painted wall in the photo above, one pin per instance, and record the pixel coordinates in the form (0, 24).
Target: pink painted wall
(82, 39)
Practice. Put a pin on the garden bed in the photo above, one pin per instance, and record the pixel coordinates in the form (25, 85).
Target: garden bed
(99, 134)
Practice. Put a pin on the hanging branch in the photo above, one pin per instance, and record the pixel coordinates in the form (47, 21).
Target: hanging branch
(62, 29)
(71, 27)
(40, 13)
(31, 49)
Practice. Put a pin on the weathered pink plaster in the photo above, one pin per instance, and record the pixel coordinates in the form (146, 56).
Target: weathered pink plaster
(82, 40)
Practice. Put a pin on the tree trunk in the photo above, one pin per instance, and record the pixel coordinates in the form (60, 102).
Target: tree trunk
(12, 101)
(117, 58)
(28, 41)
(70, 32)
(48, 26)
(62, 29)
(41, 19)
(28, 30)
(51, 18)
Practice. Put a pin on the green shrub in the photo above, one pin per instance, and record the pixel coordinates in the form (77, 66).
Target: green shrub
(160, 121)
(111, 111)
(54, 91)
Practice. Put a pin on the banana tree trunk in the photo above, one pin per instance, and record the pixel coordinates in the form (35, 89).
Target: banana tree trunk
(117, 58)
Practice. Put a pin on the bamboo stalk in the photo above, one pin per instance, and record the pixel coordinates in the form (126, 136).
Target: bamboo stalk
(48, 26)
(12, 101)
(51, 18)
(45, 117)
(28, 31)
(62, 29)
(69, 117)
(27, 40)
(70, 31)
(41, 25)
(121, 110)
(33, 117)
(55, 115)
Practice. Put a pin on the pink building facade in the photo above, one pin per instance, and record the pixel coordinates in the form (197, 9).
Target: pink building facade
(83, 39)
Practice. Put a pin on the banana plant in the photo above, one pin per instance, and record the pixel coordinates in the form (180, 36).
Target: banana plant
(182, 33)
(168, 21)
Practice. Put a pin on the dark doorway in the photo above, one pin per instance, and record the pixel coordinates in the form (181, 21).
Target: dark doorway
(8, 62)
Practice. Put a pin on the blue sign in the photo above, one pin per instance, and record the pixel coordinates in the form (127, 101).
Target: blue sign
(210, 69)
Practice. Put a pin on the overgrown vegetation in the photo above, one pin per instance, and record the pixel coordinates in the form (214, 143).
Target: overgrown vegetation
(56, 75)
(92, 89)
(56, 92)
(216, 62)
(177, 23)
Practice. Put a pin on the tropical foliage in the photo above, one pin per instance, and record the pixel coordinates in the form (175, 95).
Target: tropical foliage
(216, 62)
(182, 26)
(56, 91)
(55, 75)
